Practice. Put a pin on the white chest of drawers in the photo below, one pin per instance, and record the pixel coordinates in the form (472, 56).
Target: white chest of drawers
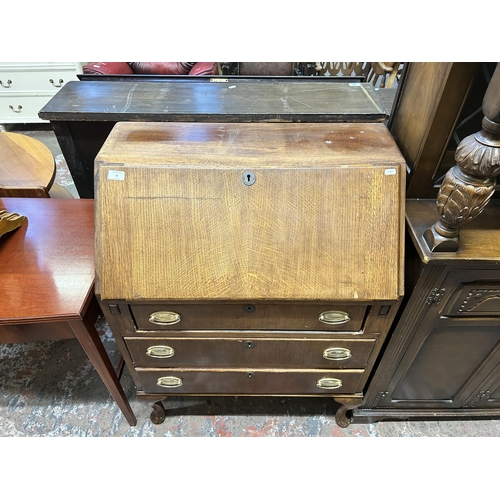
(25, 87)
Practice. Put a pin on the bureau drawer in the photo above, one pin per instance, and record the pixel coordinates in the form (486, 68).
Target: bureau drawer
(258, 352)
(249, 316)
(250, 381)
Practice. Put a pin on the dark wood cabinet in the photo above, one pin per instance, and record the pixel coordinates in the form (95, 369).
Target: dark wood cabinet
(443, 357)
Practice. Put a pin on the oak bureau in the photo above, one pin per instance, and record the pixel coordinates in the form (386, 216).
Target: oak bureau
(260, 259)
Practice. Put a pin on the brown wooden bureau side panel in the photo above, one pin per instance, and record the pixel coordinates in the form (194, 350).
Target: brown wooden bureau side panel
(261, 352)
(249, 381)
(248, 316)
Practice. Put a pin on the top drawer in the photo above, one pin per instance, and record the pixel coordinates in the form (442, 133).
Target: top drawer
(250, 316)
(36, 77)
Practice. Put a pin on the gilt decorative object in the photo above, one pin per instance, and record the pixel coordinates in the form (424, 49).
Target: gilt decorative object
(10, 221)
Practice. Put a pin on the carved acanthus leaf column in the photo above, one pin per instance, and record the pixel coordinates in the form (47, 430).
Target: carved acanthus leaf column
(469, 185)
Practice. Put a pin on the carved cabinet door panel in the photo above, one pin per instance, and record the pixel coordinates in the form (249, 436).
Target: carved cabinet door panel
(447, 363)
(453, 360)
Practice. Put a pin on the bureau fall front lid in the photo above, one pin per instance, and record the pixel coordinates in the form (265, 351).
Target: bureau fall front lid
(262, 211)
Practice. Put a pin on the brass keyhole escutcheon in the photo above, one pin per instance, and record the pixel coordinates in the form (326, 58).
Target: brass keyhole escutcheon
(249, 344)
(248, 178)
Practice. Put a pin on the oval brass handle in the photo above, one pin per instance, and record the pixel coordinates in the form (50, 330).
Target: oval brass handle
(160, 351)
(18, 110)
(329, 383)
(60, 84)
(164, 318)
(334, 317)
(9, 83)
(337, 353)
(169, 382)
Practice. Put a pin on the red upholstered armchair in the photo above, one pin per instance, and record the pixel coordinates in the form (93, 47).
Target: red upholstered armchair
(151, 68)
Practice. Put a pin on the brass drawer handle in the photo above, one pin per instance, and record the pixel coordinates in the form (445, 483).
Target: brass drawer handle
(164, 318)
(60, 84)
(18, 110)
(334, 317)
(9, 83)
(160, 351)
(329, 383)
(169, 382)
(337, 353)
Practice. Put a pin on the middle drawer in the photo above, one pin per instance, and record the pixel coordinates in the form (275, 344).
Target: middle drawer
(256, 352)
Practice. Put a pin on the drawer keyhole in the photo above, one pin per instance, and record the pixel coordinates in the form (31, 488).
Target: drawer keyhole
(249, 308)
(249, 344)
(248, 178)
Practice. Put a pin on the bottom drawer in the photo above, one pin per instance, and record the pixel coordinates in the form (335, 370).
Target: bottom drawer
(249, 381)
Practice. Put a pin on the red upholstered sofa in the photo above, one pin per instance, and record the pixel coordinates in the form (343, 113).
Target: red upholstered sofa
(151, 68)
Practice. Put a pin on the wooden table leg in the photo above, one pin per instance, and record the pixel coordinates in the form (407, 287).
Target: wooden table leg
(89, 339)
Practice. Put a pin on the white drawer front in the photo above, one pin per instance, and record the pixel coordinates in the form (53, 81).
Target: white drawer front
(47, 77)
(22, 107)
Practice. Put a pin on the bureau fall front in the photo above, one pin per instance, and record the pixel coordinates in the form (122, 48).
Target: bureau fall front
(260, 259)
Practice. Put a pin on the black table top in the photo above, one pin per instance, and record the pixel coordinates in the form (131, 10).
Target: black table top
(216, 100)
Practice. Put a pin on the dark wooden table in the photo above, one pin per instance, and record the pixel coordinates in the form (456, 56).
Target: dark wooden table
(47, 281)
(83, 113)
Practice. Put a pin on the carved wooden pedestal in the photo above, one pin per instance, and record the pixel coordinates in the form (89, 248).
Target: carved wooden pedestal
(469, 185)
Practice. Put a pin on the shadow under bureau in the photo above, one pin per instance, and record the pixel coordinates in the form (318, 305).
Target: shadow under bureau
(250, 259)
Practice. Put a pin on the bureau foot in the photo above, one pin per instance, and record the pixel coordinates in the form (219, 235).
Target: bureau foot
(158, 414)
(343, 416)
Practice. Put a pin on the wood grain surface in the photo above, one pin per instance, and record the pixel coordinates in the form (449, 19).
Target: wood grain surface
(47, 265)
(24, 163)
(323, 220)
